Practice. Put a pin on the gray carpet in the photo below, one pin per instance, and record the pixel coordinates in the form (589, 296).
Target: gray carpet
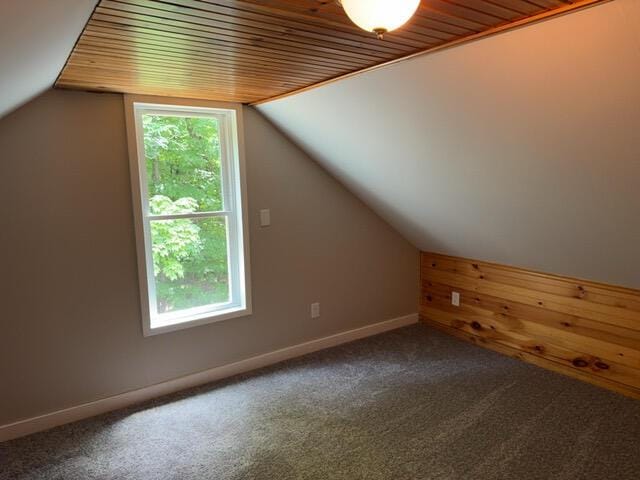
(408, 404)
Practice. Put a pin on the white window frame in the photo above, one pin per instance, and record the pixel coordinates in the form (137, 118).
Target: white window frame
(229, 118)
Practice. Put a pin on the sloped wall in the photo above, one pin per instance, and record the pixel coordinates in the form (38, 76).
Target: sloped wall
(70, 327)
(522, 148)
(36, 37)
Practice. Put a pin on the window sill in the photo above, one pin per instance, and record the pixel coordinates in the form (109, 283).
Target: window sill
(196, 320)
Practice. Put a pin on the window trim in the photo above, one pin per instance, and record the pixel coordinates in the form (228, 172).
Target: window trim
(235, 203)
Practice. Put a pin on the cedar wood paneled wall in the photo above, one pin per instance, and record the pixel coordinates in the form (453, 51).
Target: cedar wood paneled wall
(583, 329)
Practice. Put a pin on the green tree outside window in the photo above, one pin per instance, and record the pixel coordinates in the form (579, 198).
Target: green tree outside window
(184, 176)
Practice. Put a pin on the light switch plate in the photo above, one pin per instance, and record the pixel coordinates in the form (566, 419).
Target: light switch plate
(265, 218)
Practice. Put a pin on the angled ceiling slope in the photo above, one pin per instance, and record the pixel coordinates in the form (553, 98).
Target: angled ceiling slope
(522, 148)
(252, 50)
(36, 37)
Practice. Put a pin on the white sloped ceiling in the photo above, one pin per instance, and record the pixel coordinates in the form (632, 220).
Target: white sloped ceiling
(522, 148)
(36, 37)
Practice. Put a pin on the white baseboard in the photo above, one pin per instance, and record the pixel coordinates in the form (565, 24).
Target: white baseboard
(73, 414)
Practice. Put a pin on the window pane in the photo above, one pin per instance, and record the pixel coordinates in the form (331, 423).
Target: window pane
(190, 263)
(182, 157)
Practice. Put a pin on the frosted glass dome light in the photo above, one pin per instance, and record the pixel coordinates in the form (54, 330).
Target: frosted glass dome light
(380, 16)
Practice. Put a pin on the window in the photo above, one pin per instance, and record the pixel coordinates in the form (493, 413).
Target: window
(187, 175)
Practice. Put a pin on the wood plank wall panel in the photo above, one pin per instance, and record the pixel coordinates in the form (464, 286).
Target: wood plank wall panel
(587, 330)
(252, 50)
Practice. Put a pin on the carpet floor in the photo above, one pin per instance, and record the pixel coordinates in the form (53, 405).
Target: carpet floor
(409, 404)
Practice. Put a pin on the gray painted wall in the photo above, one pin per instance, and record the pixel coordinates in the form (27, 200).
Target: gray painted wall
(36, 38)
(522, 148)
(70, 328)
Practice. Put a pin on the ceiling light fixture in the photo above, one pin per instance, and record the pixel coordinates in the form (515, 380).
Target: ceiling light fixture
(380, 16)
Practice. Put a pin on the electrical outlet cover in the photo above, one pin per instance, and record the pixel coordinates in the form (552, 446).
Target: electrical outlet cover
(455, 299)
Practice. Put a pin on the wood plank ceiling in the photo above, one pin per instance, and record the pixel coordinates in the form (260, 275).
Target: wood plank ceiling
(252, 50)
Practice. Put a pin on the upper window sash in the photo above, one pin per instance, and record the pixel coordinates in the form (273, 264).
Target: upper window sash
(226, 150)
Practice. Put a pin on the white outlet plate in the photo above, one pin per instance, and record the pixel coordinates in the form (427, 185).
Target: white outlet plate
(455, 299)
(315, 310)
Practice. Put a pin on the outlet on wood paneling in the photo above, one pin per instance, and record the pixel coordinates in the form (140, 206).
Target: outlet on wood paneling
(584, 329)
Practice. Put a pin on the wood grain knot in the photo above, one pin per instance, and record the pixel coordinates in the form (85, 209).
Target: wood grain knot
(476, 326)
(580, 363)
(601, 365)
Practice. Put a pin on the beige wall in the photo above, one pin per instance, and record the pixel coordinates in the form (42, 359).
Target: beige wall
(522, 148)
(36, 37)
(70, 327)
